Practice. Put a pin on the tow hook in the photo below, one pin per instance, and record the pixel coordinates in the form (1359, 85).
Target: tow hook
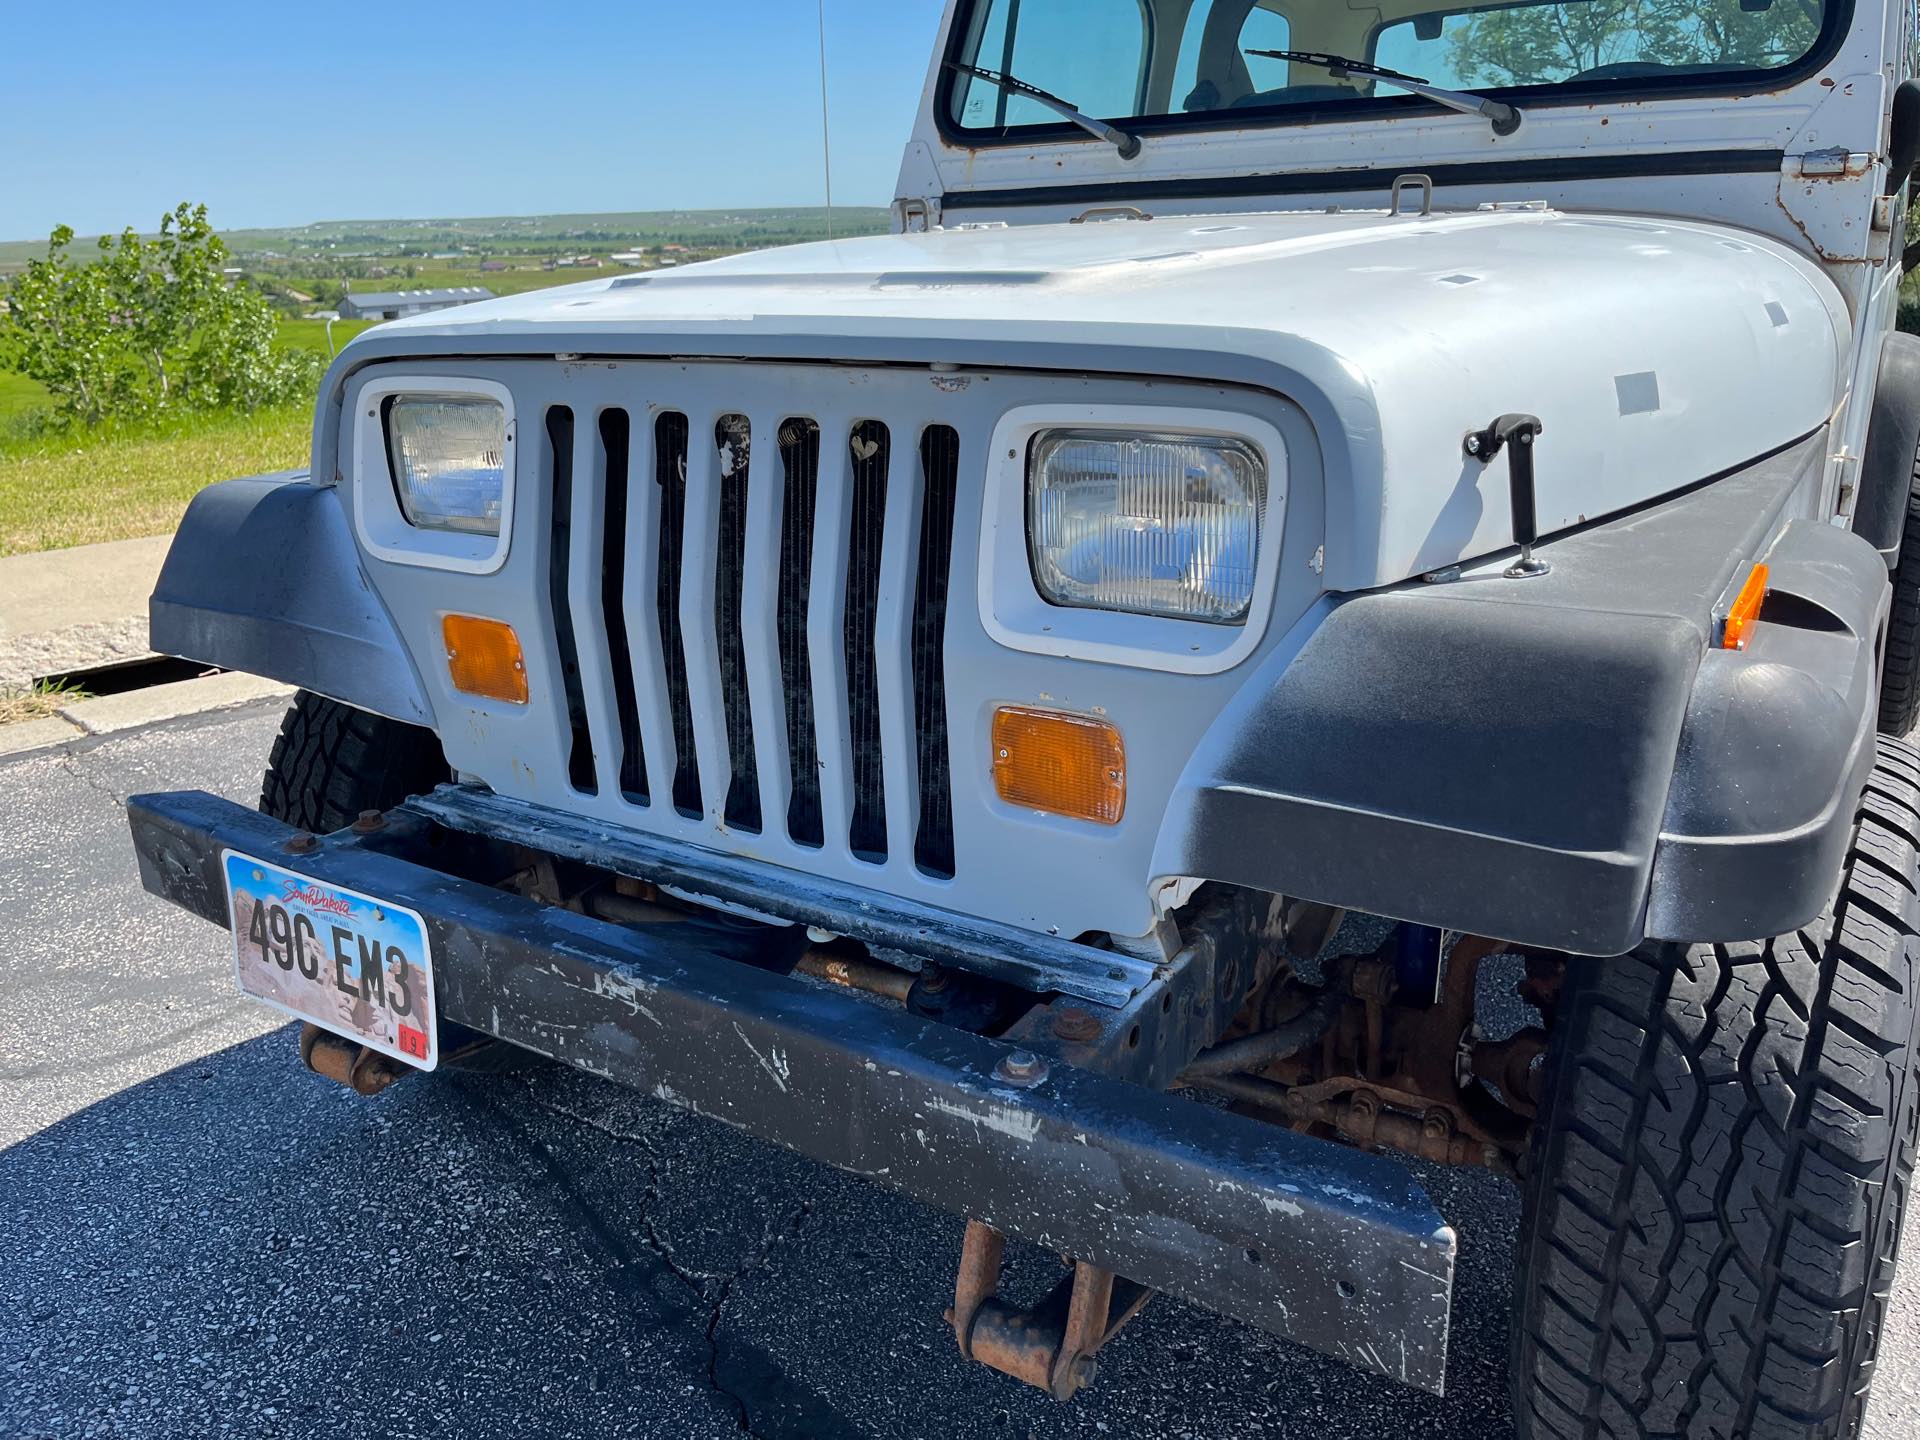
(1050, 1345)
(367, 1072)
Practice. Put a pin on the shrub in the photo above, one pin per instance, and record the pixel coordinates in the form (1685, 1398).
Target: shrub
(147, 327)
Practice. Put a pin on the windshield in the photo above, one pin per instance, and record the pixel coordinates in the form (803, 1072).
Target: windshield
(1175, 60)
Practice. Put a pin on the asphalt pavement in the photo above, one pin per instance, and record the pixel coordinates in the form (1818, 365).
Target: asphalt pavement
(202, 1239)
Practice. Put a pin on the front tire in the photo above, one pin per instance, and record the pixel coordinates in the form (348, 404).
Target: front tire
(332, 761)
(1900, 659)
(1726, 1140)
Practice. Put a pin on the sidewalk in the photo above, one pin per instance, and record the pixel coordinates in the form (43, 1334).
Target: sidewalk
(63, 610)
(83, 608)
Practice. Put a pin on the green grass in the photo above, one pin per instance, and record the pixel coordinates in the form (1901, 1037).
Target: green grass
(311, 335)
(19, 397)
(60, 488)
(38, 700)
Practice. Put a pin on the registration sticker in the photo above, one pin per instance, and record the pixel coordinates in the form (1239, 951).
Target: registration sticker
(350, 963)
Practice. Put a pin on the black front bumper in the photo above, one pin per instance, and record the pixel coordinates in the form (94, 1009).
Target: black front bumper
(1338, 1250)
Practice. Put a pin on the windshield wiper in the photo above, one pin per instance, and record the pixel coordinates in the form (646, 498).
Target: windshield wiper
(1504, 118)
(1127, 144)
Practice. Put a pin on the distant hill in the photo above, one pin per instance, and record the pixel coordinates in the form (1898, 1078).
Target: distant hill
(528, 235)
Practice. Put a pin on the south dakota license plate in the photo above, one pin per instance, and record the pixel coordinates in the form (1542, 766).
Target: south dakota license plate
(350, 963)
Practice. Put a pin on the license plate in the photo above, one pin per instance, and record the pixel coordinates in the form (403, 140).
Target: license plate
(351, 963)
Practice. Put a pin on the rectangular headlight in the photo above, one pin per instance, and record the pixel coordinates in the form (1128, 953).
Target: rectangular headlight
(449, 461)
(1154, 524)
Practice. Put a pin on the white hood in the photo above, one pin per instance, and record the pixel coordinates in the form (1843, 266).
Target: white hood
(1655, 352)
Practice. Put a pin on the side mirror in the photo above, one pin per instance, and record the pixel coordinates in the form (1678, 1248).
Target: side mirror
(1903, 141)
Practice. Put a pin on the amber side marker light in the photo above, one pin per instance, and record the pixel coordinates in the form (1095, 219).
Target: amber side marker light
(1072, 765)
(1746, 610)
(484, 658)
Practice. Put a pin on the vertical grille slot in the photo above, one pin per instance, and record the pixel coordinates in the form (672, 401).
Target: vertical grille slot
(800, 461)
(871, 447)
(940, 473)
(560, 452)
(615, 437)
(733, 438)
(670, 433)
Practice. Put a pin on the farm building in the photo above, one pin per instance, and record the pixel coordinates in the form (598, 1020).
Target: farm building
(392, 304)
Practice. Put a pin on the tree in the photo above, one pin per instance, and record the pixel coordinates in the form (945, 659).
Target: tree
(1545, 43)
(147, 326)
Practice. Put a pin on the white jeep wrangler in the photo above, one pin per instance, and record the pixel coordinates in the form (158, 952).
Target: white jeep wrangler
(1293, 458)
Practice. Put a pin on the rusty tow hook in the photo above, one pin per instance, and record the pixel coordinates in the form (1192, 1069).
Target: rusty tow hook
(1050, 1345)
(367, 1072)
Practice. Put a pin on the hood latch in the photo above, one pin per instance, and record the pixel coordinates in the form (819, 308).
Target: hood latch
(1484, 445)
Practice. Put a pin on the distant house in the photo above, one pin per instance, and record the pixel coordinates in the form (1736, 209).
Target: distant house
(392, 304)
(491, 265)
(628, 257)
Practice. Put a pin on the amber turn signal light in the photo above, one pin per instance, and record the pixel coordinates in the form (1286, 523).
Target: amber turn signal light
(1746, 610)
(484, 658)
(1072, 765)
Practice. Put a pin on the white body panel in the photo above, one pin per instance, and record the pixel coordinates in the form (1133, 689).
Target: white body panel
(1397, 332)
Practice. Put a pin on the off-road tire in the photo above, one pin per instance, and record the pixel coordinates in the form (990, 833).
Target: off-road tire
(1717, 1180)
(332, 761)
(1900, 661)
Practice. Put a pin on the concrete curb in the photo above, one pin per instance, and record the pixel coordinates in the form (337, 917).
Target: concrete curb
(110, 714)
(138, 709)
(29, 735)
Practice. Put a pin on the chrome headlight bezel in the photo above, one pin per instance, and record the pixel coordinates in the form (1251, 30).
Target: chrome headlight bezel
(382, 517)
(1017, 614)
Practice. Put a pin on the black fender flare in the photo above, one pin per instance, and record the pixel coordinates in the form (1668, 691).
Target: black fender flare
(263, 576)
(1570, 762)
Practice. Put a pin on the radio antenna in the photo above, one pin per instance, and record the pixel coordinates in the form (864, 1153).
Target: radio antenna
(826, 129)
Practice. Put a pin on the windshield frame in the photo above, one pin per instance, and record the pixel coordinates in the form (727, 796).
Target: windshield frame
(1836, 21)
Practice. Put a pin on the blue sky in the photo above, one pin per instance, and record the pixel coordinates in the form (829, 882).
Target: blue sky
(274, 114)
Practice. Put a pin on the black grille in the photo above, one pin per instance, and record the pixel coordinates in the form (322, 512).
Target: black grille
(670, 473)
(800, 460)
(560, 452)
(940, 474)
(870, 446)
(732, 438)
(616, 434)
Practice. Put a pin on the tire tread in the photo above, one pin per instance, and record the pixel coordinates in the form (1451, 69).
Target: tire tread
(1707, 1247)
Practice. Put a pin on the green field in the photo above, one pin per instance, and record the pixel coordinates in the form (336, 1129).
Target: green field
(312, 334)
(19, 397)
(60, 489)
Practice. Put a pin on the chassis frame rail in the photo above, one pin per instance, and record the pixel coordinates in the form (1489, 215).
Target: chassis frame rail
(1338, 1250)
